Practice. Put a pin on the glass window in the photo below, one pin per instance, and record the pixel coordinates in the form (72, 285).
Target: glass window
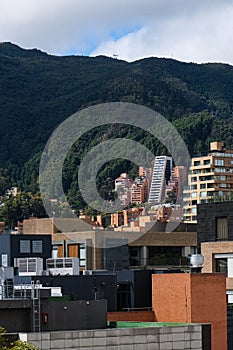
(193, 187)
(194, 179)
(194, 210)
(206, 161)
(223, 185)
(221, 265)
(194, 194)
(222, 229)
(203, 194)
(220, 177)
(24, 246)
(197, 162)
(37, 246)
(219, 162)
(220, 170)
(202, 186)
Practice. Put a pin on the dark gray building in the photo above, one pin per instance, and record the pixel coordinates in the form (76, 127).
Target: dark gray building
(17, 315)
(214, 222)
(24, 246)
(80, 287)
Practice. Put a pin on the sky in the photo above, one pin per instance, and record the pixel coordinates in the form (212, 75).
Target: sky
(186, 30)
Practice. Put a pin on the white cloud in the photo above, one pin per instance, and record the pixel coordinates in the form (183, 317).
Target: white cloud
(193, 30)
(202, 36)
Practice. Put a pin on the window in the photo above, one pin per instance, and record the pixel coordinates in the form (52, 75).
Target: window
(203, 194)
(194, 195)
(82, 255)
(206, 161)
(202, 186)
(219, 162)
(221, 265)
(193, 187)
(221, 229)
(220, 170)
(194, 202)
(220, 177)
(206, 178)
(194, 179)
(24, 246)
(197, 162)
(37, 247)
(194, 210)
(210, 185)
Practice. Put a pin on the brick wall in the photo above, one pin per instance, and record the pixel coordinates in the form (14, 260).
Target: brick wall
(135, 316)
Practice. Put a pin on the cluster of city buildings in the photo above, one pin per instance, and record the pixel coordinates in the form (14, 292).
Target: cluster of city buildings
(169, 193)
(74, 275)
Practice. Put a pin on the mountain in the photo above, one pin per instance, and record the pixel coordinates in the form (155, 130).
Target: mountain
(38, 91)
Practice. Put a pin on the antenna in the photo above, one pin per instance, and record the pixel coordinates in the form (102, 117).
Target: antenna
(115, 56)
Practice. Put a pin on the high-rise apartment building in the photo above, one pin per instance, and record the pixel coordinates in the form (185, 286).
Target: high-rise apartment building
(210, 179)
(161, 175)
(175, 186)
(122, 186)
(139, 190)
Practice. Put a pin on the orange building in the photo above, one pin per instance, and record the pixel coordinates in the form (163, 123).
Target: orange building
(125, 217)
(192, 298)
(139, 190)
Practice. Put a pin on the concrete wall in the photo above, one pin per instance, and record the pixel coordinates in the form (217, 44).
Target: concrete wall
(15, 315)
(192, 298)
(154, 338)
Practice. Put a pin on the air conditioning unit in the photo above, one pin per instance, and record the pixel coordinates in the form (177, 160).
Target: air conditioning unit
(29, 266)
(63, 266)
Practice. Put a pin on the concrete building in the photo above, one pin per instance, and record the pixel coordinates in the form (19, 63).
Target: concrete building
(210, 179)
(161, 175)
(218, 257)
(175, 186)
(125, 217)
(139, 190)
(163, 249)
(123, 188)
(105, 249)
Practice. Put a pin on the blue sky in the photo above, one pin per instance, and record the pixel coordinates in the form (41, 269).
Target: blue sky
(193, 30)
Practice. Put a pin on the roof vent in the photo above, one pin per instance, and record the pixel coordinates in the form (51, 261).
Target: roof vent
(196, 262)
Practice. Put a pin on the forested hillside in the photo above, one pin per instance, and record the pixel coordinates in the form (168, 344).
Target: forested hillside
(38, 91)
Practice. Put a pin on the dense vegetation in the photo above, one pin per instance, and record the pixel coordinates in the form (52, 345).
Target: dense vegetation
(38, 91)
(17, 345)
